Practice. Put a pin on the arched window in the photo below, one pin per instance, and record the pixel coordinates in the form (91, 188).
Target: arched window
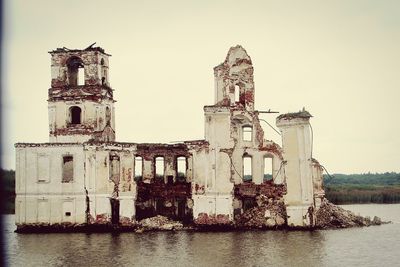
(76, 75)
(247, 133)
(268, 175)
(247, 169)
(103, 72)
(114, 167)
(67, 169)
(108, 116)
(237, 93)
(159, 168)
(181, 169)
(75, 115)
(138, 168)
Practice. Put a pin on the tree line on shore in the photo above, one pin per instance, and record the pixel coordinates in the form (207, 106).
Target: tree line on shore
(8, 185)
(363, 188)
(339, 188)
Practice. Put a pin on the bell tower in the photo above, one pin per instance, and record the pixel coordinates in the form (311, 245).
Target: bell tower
(80, 102)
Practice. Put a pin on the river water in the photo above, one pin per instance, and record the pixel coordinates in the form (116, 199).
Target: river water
(368, 246)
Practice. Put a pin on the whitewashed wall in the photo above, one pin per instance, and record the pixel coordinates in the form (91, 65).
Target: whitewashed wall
(41, 195)
(296, 140)
(93, 115)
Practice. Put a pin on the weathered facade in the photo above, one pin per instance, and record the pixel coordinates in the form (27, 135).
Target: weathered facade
(84, 177)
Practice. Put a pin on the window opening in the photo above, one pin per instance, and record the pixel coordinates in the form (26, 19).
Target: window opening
(75, 113)
(247, 133)
(43, 168)
(237, 93)
(103, 73)
(114, 210)
(181, 169)
(138, 168)
(114, 168)
(249, 203)
(104, 78)
(81, 76)
(68, 169)
(75, 71)
(159, 162)
(267, 169)
(67, 211)
(159, 205)
(247, 169)
(108, 116)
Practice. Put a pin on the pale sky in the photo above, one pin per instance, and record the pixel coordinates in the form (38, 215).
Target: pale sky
(338, 59)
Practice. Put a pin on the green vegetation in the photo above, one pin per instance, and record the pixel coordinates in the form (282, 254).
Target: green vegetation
(363, 188)
(8, 178)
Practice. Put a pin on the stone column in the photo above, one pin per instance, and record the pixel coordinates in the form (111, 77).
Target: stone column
(297, 145)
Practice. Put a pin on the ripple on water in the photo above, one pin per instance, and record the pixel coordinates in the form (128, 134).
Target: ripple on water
(370, 246)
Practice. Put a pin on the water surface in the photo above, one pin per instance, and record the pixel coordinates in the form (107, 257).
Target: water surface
(369, 246)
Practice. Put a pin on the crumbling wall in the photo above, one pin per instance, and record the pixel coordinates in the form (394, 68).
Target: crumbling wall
(211, 186)
(93, 97)
(110, 184)
(93, 118)
(201, 170)
(296, 141)
(259, 205)
(213, 191)
(91, 59)
(170, 153)
(257, 148)
(168, 196)
(39, 169)
(217, 128)
(225, 122)
(268, 212)
(235, 73)
(318, 181)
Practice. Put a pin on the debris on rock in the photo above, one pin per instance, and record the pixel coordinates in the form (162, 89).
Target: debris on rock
(160, 223)
(204, 219)
(269, 213)
(332, 216)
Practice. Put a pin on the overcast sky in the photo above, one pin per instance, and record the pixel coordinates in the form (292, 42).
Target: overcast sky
(338, 59)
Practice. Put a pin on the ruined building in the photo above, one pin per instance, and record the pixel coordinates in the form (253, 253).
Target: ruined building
(83, 176)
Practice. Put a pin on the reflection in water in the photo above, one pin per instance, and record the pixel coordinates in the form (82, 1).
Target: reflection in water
(361, 246)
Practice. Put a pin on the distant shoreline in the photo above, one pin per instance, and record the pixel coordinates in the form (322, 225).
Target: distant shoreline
(340, 189)
(368, 188)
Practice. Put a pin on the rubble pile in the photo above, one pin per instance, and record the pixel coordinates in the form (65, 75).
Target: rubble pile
(159, 223)
(205, 219)
(269, 213)
(127, 222)
(101, 218)
(332, 216)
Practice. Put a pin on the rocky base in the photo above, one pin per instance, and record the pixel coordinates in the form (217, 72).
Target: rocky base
(331, 216)
(269, 213)
(73, 228)
(158, 223)
(213, 221)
